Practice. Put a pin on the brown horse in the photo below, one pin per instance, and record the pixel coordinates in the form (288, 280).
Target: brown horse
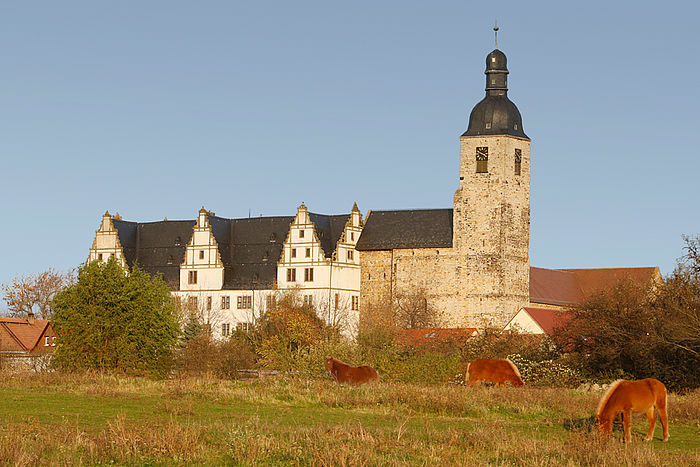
(633, 396)
(493, 371)
(344, 373)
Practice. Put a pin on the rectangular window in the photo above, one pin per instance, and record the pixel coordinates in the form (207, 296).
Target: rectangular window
(53, 341)
(270, 302)
(192, 302)
(201, 254)
(245, 327)
(225, 302)
(309, 300)
(482, 160)
(308, 274)
(352, 236)
(308, 252)
(350, 255)
(291, 275)
(192, 277)
(337, 300)
(294, 252)
(301, 234)
(226, 329)
(99, 257)
(46, 341)
(244, 302)
(209, 303)
(355, 303)
(518, 161)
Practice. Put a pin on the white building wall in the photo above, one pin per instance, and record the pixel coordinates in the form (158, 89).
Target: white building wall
(334, 289)
(106, 243)
(523, 322)
(202, 268)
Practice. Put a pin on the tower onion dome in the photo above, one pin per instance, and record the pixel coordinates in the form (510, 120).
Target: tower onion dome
(496, 114)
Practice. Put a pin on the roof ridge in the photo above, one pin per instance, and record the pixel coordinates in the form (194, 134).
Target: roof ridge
(416, 209)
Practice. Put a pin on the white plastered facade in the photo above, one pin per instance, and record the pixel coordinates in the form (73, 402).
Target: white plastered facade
(333, 287)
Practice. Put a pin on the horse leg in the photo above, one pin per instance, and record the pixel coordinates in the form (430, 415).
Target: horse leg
(652, 423)
(664, 418)
(626, 425)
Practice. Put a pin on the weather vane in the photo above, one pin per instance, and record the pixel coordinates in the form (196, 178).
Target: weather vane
(495, 32)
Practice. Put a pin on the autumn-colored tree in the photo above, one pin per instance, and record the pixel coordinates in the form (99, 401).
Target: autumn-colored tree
(34, 293)
(285, 331)
(646, 331)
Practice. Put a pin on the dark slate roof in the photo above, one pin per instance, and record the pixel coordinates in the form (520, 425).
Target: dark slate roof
(417, 228)
(250, 247)
(329, 230)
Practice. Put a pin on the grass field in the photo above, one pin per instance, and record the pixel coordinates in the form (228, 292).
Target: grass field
(66, 420)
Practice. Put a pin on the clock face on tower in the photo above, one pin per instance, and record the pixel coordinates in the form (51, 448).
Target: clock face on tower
(482, 153)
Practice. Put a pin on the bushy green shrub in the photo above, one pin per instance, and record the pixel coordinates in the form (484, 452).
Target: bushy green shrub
(114, 320)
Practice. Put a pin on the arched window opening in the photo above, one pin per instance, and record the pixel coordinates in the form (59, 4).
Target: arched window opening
(518, 161)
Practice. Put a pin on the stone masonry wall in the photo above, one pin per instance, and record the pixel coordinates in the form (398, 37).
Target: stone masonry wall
(484, 278)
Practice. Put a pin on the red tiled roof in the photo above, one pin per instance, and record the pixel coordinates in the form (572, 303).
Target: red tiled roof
(26, 334)
(549, 319)
(432, 335)
(554, 287)
(593, 281)
(573, 286)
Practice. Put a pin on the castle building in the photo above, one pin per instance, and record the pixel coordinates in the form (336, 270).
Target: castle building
(232, 270)
(471, 261)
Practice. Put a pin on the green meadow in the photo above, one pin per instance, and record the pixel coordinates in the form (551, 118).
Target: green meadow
(102, 419)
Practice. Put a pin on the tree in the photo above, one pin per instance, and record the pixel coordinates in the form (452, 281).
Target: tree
(287, 330)
(34, 293)
(114, 320)
(646, 331)
(412, 310)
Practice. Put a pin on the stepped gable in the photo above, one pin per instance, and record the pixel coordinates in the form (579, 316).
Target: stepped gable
(249, 247)
(403, 229)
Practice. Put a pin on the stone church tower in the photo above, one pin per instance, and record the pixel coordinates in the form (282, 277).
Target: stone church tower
(491, 233)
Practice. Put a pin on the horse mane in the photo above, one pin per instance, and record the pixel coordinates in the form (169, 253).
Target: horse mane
(336, 361)
(512, 365)
(606, 396)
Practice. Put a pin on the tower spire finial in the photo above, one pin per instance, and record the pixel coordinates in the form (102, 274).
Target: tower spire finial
(495, 32)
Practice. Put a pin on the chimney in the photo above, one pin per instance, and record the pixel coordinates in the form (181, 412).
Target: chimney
(30, 318)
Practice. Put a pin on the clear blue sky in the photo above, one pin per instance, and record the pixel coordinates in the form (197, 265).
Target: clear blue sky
(155, 109)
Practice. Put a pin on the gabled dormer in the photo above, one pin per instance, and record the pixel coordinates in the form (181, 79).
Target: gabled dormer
(345, 251)
(107, 243)
(302, 244)
(202, 268)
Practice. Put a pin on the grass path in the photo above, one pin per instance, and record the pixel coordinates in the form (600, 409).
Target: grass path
(54, 420)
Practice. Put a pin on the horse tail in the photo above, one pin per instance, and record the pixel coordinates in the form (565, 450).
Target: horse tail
(466, 373)
(515, 368)
(606, 396)
(662, 397)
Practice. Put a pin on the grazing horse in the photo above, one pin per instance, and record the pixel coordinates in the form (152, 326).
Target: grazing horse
(493, 371)
(633, 396)
(344, 373)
